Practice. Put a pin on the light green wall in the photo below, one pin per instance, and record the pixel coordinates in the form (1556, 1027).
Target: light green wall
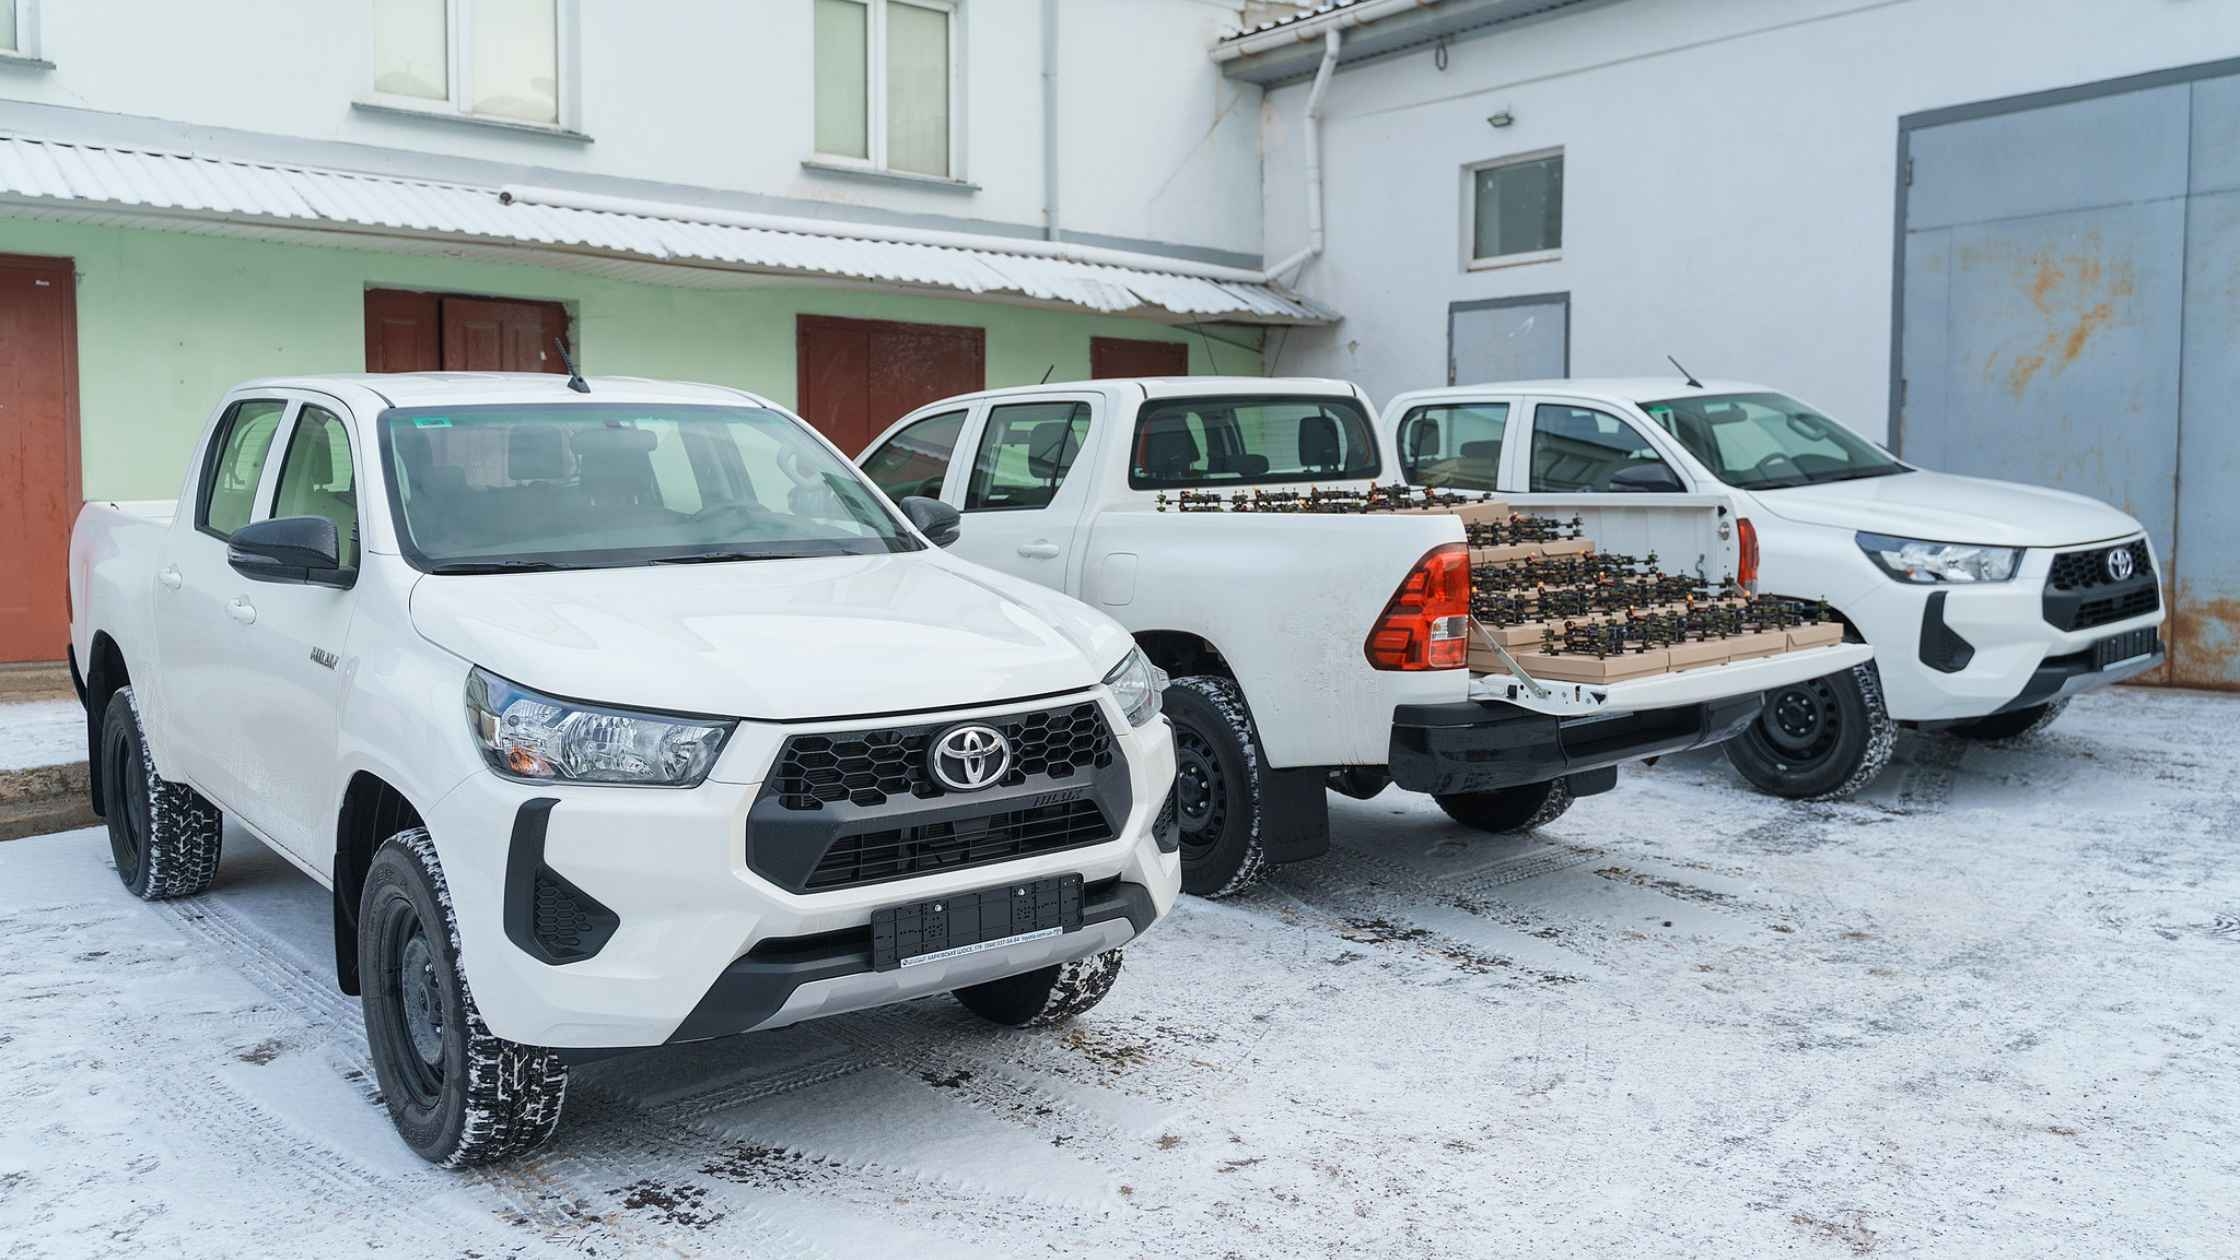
(167, 322)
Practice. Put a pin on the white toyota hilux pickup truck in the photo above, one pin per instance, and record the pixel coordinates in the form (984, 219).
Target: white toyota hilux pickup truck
(614, 713)
(1989, 604)
(1308, 652)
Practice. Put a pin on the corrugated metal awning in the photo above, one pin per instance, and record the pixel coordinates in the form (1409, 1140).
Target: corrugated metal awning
(109, 184)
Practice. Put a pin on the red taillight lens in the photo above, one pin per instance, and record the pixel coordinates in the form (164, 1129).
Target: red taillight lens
(1427, 624)
(1747, 566)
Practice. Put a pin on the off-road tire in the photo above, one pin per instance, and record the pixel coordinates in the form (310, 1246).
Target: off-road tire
(2020, 724)
(164, 836)
(1859, 744)
(1219, 768)
(1507, 811)
(486, 1098)
(1046, 996)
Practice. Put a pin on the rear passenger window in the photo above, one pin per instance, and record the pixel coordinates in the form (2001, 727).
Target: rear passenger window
(1579, 448)
(1457, 447)
(1025, 452)
(229, 481)
(916, 459)
(315, 478)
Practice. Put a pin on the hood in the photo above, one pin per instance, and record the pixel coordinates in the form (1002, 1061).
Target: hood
(773, 639)
(1944, 508)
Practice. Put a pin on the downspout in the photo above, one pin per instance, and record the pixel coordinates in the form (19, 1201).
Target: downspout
(1312, 136)
(1049, 120)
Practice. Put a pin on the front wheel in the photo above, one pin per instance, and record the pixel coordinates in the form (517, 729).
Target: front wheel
(1218, 772)
(1818, 740)
(1045, 996)
(458, 1094)
(1507, 811)
(2013, 725)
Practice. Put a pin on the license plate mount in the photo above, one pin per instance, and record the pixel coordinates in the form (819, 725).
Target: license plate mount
(2117, 649)
(972, 922)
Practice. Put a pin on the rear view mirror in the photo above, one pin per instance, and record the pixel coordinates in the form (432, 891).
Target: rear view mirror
(1653, 478)
(297, 549)
(939, 522)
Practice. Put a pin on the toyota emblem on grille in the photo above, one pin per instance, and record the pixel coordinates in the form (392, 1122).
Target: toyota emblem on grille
(2119, 564)
(968, 758)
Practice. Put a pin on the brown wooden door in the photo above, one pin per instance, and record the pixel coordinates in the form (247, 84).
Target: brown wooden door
(857, 376)
(429, 332)
(404, 332)
(39, 486)
(1125, 356)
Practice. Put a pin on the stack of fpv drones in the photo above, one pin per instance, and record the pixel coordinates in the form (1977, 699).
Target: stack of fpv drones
(1561, 610)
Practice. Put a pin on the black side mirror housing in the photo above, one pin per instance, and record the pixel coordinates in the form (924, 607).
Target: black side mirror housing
(1647, 479)
(304, 550)
(939, 522)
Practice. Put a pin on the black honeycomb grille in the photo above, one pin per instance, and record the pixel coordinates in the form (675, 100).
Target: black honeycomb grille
(871, 767)
(567, 923)
(900, 852)
(2083, 570)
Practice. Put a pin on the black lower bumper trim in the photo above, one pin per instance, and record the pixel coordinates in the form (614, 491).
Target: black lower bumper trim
(546, 917)
(755, 986)
(2058, 677)
(1942, 649)
(1474, 746)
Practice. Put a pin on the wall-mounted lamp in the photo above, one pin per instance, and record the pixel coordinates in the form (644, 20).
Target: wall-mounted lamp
(1502, 119)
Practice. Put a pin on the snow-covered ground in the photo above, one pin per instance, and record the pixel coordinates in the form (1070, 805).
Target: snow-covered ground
(1993, 1009)
(41, 733)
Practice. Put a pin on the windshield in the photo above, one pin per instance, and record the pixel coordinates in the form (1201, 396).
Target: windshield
(593, 485)
(1767, 441)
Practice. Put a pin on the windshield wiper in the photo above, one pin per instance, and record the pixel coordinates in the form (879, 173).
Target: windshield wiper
(462, 567)
(719, 557)
(1860, 474)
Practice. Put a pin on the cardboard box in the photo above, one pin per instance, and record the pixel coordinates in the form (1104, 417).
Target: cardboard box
(1514, 553)
(1567, 547)
(1697, 655)
(1589, 669)
(1821, 635)
(1751, 646)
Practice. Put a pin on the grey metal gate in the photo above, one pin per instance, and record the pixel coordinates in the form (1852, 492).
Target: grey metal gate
(1509, 339)
(2069, 315)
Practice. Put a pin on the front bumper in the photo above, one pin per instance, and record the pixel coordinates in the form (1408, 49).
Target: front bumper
(1481, 746)
(690, 918)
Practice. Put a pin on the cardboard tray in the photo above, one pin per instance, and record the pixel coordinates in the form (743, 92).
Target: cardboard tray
(1821, 635)
(1589, 669)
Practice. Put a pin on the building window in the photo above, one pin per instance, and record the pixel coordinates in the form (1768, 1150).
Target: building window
(8, 27)
(483, 58)
(886, 84)
(1514, 209)
(19, 30)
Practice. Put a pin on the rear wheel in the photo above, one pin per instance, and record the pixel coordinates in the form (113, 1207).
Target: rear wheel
(1507, 811)
(1217, 786)
(1822, 739)
(2013, 725)
(457, 1094)
(164, 836)
(1045, 996)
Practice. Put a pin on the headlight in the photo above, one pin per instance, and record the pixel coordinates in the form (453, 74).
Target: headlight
(1138, 685)
(525, 735)
(1913, 560)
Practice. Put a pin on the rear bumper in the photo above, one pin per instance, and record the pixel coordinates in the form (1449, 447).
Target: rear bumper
(1479, 746)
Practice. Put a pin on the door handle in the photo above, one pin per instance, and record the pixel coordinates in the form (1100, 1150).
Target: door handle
(1039, 549)
(169, 576)
(240, 609)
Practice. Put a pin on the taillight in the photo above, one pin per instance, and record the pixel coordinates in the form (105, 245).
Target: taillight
(1427, 624)
(1746, 535)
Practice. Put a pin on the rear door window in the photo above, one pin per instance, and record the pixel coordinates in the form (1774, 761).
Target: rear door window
(235, 465)
(1026, 450)
(1581, 449)
(1456, 446)
(915, 461)
(1186, 442)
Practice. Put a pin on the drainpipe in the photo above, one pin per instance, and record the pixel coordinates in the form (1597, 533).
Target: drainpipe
(1049, 120)
(1331, 40)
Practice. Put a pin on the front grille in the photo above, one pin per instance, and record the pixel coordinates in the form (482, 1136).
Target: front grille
(2083, 570)
(2100, 612)
(568, 923)
(871, 766)
(899, 852)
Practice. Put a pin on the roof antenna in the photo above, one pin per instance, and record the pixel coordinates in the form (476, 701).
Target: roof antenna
(1046, 374)
(1693, 383)
(575, 378)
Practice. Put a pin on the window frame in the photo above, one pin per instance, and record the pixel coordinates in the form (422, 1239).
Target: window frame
(1471, 260)
(1419, 412)
(26, 52)
(458, 59)
(875, 96)
(268, 471)
(948, 467)
(986, 425)
(1643, 429)
(285, 444)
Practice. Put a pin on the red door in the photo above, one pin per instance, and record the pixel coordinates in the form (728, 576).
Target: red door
(429, 332)
(1124, 356)
(857, 376)
(39, 485)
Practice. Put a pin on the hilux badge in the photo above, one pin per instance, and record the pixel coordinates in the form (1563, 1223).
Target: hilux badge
(2119, 564)
(970, 757)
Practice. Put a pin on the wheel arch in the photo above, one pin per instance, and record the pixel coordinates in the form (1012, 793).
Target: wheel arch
(1182, 653)
(372, 810)
(105, 675)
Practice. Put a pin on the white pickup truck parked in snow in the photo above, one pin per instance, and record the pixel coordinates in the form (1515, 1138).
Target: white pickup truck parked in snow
(1279, 630)
(613, 718)
(1989, 604)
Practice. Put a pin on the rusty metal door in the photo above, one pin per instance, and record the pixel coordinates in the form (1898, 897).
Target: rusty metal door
(2061, 320)
(1111, 357)
(39, 485)
(857, 376)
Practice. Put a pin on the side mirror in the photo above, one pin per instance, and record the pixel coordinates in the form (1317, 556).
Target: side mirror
(939, 522)
(1647, 479)
(297, 549)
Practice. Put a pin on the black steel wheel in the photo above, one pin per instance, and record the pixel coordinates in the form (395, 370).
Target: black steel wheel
(1819, 739)
(1217, 786)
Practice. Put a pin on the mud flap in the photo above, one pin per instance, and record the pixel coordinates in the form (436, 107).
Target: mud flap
(1294, 814)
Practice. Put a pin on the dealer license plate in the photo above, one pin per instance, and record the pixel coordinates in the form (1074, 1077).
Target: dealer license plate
(2118, 648)
(972, 922)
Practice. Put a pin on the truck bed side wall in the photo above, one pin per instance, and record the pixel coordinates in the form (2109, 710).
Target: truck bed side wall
(114, 551)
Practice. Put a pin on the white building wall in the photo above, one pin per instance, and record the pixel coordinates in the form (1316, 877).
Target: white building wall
(715, 94)
(1729, 175)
